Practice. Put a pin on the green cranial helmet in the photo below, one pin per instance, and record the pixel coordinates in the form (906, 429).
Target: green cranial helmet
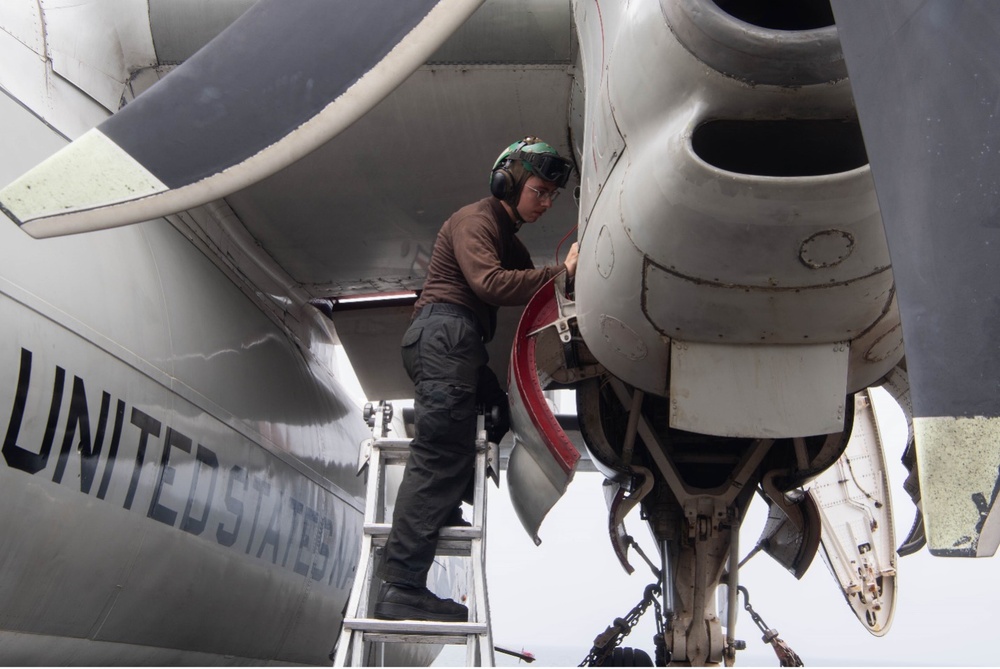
(522, 159)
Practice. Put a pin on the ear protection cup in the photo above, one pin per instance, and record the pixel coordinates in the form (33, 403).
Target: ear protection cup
(501, 182)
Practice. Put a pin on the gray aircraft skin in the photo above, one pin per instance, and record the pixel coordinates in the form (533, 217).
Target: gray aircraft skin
(179, 469)
(179, 455)
(180, 461)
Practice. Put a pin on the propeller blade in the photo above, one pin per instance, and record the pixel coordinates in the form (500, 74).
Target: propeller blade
(279, 82)
(926, 86)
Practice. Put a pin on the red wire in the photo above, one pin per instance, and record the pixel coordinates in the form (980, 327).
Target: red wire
(559, 245)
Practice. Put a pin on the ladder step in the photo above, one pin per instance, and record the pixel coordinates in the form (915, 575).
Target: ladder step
(452, 541)
(414, 627)
(394, 447)
(393, 444)
(436, 639)
(456, 533)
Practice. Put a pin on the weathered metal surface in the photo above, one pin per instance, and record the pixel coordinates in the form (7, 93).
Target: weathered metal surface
(768, 390)
(959, 463)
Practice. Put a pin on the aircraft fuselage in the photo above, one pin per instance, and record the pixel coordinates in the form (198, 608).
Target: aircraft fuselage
(178, 470)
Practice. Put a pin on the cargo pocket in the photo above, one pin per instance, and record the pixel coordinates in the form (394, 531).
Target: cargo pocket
(462, 401)
(411, 336)
(448, 413)
(410, 351)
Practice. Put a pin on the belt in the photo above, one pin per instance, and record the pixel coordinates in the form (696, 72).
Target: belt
(452, 310)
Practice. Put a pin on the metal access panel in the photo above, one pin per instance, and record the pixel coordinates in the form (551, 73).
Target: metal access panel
(765, 391)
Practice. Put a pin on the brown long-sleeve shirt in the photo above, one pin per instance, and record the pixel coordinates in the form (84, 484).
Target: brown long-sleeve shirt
(478, 262)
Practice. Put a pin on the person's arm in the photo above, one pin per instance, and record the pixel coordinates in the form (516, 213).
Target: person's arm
(475, 246)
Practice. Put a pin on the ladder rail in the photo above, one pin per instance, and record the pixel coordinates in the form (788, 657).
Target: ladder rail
(479, 609)
(362, 639)
(360, 596)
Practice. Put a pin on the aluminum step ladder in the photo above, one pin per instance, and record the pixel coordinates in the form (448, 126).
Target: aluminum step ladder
(362, 638)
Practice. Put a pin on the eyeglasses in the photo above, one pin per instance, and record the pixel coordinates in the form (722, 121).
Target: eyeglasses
(544, 195)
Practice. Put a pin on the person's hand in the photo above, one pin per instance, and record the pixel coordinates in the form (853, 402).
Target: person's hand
(571, 258)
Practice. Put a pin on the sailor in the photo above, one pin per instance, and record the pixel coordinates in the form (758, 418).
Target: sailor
(478, 264)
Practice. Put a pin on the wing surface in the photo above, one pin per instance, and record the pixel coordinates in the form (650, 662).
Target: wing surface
(926, 85)
(279, 82)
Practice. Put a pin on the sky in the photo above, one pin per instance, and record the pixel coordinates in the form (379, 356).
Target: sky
(553, 599)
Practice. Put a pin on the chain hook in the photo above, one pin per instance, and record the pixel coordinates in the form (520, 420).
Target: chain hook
(611, 638)
(786, 656)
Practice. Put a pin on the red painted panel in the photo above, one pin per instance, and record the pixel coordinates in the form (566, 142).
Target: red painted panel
(542, 310)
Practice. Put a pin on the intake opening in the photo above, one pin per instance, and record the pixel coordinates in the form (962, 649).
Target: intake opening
(780, 14)
(789, 148)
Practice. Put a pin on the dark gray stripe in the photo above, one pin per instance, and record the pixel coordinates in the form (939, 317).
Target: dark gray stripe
(927, 88)
(9, 214)
(273, 69)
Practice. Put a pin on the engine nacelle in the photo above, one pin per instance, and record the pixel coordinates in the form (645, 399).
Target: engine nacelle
(729, 223)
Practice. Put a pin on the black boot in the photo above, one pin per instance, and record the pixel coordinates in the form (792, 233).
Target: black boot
(455, 519)
(397, 602)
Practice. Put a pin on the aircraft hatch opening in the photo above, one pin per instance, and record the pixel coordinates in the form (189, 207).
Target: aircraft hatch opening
(780, 14)
(787, 148)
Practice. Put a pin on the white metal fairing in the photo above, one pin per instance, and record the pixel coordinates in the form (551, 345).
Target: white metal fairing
(602, 143)
(675, 248)
(769, 390)
(73, 63)
(536, 482)
(858, 535)
(98, 45)
(27, 74)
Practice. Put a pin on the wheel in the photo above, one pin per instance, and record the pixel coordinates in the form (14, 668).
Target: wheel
(629, 657)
